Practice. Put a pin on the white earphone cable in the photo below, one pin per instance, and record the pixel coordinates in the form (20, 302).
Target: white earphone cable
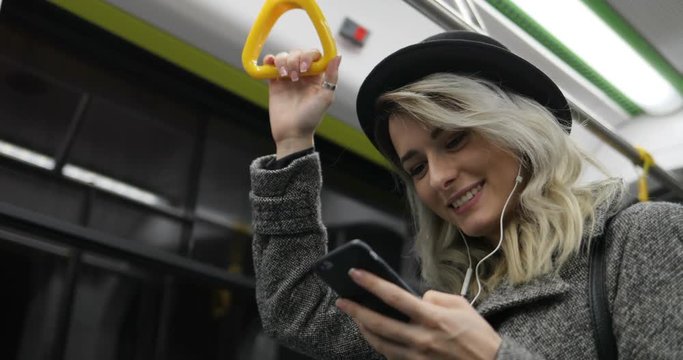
(468, 274)
(518, 180)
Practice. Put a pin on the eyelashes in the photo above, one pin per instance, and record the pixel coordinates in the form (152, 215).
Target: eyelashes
(453, 142)
(416, 170)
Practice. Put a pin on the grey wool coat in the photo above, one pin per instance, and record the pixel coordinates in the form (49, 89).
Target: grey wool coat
(545, 318)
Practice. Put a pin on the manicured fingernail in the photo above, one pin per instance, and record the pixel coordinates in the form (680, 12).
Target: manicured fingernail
(283, 72)
(294, 76)
(340, 304)
(303, 67)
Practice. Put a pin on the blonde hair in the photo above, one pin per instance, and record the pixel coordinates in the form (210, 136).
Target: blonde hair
(552, 210)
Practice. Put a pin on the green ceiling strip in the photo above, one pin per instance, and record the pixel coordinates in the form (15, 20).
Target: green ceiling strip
(204, 65)
(633, 38)
(524, 21)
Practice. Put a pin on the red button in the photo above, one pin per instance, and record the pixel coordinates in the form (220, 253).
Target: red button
(360, 34)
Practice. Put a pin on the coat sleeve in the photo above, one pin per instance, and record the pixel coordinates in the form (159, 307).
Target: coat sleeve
(646, 270)
(295, 306)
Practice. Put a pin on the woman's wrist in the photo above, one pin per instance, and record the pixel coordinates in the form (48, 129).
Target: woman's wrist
(290, 146)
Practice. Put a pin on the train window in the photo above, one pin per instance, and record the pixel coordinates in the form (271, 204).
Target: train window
(33, 190)
(209, 322)
(36, 111)
(224, 180)
(131, 222)
(219, 246)
(113, 316)
(32, 283)
(142, 149)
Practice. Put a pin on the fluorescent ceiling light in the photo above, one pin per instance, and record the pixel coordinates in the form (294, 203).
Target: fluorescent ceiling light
(585, 34)
(82, 175)
(27, 156)
(113, 186)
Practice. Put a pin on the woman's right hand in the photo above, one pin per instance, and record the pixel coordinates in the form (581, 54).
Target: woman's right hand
(297, 103)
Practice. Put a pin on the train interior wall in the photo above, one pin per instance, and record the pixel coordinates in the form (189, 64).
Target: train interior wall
(73, 105)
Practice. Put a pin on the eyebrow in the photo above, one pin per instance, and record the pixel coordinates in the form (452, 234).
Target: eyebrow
(407, 156)
(434, 134)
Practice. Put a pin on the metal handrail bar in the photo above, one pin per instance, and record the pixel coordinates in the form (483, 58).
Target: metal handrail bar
(449, 20)
(19, 220)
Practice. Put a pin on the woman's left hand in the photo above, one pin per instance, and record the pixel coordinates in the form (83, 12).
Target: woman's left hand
(443, 326)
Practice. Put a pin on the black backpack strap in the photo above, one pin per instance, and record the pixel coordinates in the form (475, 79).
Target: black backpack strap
(602, 319)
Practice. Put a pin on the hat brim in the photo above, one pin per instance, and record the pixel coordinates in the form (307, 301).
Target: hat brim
(463, 57)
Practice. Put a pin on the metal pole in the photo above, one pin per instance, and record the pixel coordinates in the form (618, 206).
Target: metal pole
(449, 20)
(71, 134)
(66, 305)
(435, 11)
(629, 151)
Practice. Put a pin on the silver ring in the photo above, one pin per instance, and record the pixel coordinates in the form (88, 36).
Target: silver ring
(328, 85)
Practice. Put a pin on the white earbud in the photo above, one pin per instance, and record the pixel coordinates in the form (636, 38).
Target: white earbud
(468, 274)
(466, 282)
(519, 177)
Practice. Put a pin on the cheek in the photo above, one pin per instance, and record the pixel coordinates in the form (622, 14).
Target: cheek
(426, 196)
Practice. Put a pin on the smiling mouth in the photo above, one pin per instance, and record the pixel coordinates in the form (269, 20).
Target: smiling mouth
(462, 200)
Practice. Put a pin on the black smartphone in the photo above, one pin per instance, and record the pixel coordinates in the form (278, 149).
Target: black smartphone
(334, 268)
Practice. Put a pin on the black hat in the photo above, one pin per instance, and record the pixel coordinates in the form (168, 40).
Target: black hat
(459, 52)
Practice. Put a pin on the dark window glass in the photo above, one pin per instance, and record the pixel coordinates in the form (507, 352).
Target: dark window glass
(34, 111)
(130, 222)
(114, 316)
(222, 247)
(32, 284)
(40, 193)
(224, 182)
(212, 323)
(150, 150)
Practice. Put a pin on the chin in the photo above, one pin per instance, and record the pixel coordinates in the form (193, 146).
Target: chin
(477, 229)
(473, 234)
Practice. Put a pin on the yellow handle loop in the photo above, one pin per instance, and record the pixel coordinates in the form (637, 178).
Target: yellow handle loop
(648, 161)
(270, 13)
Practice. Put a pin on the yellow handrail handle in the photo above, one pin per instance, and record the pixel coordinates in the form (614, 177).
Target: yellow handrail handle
(648, 161)
(270, 13)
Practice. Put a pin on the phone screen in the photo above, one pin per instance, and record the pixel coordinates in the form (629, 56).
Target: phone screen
(334, 268)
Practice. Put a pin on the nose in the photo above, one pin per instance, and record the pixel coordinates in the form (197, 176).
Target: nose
(442, 173)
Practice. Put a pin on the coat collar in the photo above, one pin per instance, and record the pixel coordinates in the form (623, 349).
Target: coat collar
(605, 210)
(507, 296)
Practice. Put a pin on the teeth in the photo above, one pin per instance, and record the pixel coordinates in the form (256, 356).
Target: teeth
(466, 197)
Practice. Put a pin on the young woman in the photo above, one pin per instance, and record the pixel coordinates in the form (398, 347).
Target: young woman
(480, 138)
